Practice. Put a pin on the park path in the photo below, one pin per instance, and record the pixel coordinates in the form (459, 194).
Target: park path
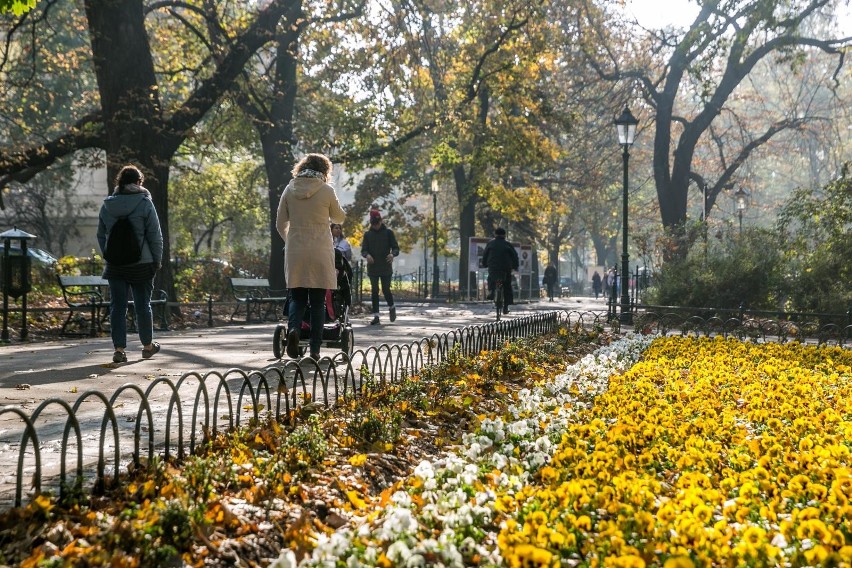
(66, 369)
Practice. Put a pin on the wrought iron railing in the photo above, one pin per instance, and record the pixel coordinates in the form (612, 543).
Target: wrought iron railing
(170, 419)
(806, 328)
(67, 447)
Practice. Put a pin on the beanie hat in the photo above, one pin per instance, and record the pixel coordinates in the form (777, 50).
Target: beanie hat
(375, 215)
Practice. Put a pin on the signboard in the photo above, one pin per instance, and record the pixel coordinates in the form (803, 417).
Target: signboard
(524, 258)
(476, 250)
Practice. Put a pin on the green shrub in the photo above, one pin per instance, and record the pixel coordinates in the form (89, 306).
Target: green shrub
(196, 277)
(816, 226)
(745, 270)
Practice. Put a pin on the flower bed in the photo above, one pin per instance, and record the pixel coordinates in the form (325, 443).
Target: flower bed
(288, 482)
(706, 452)
(450, 512)
(668, 451)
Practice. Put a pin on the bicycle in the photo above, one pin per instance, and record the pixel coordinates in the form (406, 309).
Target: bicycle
(498, 294)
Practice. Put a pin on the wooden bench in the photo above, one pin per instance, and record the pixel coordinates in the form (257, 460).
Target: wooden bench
(257, 297)
(89, 296)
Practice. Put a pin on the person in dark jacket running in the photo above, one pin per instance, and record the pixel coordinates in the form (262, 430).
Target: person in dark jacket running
(129, 199)
(379, 248)
(500, 258)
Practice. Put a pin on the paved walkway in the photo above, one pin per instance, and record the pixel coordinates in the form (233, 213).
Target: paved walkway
(33, 372)
(68, 369)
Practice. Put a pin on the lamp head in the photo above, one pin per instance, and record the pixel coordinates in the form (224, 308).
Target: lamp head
(625, 125)
(740, 195)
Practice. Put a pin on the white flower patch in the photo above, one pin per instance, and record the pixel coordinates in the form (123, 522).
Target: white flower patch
(424, 470)
(539, 417)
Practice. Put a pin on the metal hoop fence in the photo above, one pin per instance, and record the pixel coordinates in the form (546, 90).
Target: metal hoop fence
(70, 447)
(743, 328)
(170, 419)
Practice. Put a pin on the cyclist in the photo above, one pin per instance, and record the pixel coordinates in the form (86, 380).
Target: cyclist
(501, 259)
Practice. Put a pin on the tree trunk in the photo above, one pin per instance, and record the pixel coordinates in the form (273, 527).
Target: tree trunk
(467, 228)
(604, 247)
(276, 137)
(132, 115)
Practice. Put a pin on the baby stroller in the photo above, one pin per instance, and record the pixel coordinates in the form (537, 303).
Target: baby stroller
(337, 331)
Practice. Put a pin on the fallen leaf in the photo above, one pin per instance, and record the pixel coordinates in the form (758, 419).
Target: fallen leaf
(358, 460)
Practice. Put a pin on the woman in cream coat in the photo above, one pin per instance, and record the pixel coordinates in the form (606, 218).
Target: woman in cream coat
(307, 206)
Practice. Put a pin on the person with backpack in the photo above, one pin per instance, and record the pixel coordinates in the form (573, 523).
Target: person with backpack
(131, 244)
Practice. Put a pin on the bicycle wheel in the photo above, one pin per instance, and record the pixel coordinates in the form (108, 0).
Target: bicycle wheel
(498, 300)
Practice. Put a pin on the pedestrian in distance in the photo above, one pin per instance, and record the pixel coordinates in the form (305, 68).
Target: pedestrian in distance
(500, 258)
(549, 280)
(611, 284)
(596, 284)
(340, 242)
(135, 260)
(307, 206)
(379, 248)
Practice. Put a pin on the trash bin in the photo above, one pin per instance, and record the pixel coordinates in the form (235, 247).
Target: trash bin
(15, 277)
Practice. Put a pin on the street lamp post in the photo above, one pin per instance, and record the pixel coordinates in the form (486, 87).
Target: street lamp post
(435, 281)
(740, 196)
(625, 125)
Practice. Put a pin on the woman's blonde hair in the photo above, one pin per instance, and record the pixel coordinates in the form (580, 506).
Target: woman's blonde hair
(317, 162)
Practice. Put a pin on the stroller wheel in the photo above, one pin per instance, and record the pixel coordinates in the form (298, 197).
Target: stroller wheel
(279, 341)
(347, 341)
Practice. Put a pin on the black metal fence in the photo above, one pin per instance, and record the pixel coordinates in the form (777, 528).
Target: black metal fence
(754, 326)
(67, 447)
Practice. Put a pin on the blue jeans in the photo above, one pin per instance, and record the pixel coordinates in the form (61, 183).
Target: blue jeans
(299, 299)
(118, 292)
(386, 291)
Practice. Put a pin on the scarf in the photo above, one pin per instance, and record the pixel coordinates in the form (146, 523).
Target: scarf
(309, 173)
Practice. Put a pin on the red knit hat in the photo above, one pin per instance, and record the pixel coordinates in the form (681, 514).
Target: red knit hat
(375, 215)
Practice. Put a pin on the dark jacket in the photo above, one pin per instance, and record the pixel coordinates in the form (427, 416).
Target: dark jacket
(378, 243)
(549, 275)
(500, 255)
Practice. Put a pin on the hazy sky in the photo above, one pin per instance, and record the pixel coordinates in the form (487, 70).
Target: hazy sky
(658, 13)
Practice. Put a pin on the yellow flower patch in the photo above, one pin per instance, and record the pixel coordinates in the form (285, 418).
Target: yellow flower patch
(706, 452)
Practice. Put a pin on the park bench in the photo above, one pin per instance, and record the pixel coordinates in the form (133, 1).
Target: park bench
(88, 298)
(257, 297)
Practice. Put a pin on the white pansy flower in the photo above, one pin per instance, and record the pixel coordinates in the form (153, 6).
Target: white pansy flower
(424, 470)
(469, 475)
(399, 552)
(519, 428)
(473, 451)
(543, 444)
(401, 499)
(454, 464)
(287, 559)
(499, 460)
